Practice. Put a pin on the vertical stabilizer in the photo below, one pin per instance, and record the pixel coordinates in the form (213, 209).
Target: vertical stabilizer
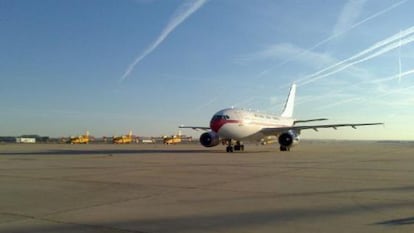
(290, 102)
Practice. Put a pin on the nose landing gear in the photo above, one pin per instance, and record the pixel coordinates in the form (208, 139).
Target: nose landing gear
(238, 147)
(284, 148)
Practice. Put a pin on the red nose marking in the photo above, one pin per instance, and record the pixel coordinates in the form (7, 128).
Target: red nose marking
(216, 124)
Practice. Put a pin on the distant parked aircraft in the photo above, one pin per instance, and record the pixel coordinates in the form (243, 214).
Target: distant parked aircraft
(175, 139)
(124, 139)
(82, 139)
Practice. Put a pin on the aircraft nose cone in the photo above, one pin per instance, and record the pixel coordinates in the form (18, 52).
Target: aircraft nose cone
(216, 124)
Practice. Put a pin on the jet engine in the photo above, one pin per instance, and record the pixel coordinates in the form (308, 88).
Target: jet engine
(209, 139)
(288, 140)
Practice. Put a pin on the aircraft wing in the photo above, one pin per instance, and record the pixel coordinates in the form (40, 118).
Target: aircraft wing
(310, 120)
(194, 127)
(276, 131)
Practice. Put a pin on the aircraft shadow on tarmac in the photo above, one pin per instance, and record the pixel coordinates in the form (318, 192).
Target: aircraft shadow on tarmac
(400, 221)
(112, 152)
(129, 151)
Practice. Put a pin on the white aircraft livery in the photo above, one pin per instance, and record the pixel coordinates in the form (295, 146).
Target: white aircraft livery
(236, 125)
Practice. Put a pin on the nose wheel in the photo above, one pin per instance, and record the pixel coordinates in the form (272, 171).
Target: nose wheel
(238, 147)
(229, 149)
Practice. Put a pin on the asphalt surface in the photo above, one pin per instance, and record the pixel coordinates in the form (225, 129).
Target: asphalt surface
(317, 187)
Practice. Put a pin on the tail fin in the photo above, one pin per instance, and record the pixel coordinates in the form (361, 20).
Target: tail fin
(290, 102)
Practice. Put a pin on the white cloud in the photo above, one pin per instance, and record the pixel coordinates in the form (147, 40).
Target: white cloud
(348, 16)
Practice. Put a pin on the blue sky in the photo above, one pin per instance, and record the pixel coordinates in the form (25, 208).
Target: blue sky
(151, 65)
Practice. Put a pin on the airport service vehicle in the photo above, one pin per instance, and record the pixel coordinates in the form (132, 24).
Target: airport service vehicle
(237, 125)
(124, 139)
(82, 139)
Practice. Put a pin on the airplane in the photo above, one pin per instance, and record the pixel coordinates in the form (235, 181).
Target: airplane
(235, 124)
(175, 139)
(125, 139)
(82, 139)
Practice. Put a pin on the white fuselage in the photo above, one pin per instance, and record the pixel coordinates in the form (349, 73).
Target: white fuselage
(239, 124)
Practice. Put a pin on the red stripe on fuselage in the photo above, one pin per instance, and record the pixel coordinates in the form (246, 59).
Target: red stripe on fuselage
(215, 125)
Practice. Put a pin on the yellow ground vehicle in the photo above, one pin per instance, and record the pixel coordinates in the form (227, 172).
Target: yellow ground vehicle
(125, 139)
(82, 139)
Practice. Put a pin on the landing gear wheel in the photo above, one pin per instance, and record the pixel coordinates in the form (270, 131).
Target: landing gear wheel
(229, 149)
(239, 146)
(284, 148)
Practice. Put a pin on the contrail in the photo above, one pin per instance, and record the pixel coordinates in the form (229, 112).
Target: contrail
(398, 76)
(180, 16)
(339, 103)
(377, 49)
(376, 54)
(335, 35)
(352, 99)
(377, 45)
(397, 91)
(365, 99)
(399, 62)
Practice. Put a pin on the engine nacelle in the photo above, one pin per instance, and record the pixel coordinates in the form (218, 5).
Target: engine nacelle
(288, 139)
(209, 139)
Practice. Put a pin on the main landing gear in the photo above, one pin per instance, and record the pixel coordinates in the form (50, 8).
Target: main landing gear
(284, 148)
(238, 147)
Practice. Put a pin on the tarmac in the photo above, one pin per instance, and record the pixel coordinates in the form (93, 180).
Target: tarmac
(319, 186)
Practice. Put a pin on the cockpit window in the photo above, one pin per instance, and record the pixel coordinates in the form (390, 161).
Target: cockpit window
(221, 117)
